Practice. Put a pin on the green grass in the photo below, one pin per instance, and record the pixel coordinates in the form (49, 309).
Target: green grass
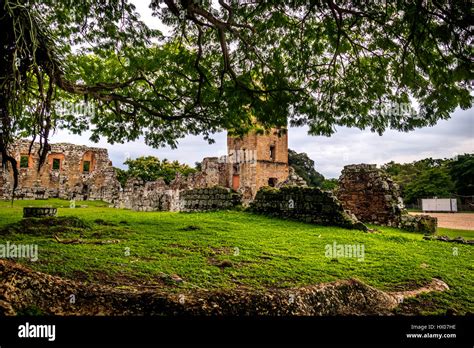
(452, 233)
(259, 252)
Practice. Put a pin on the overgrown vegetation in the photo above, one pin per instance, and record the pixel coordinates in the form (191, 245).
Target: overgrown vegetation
(304, 167)
(434, 177)
(229, 249)
(330, 184)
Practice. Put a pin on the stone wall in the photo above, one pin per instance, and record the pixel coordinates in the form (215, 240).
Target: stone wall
(63, 175)
(370, 194)
(306, 204)
(148, 196)
(159, 196)
(374, 198)
(418, 223)
(214, 198)
(80, 172)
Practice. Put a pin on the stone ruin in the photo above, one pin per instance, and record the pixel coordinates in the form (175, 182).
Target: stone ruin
(159, 196)
(365, 193)
(374, 198)
(252, 162)
(206, 199)
(293, 180)
(69, 172)
(370, 194)
(308, 204)
(82, 173)
(256, 160)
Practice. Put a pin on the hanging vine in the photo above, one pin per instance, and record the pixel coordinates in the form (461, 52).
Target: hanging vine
(30, 73)
(27, 80)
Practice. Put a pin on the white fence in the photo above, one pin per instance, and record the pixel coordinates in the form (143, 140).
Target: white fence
(439, 204)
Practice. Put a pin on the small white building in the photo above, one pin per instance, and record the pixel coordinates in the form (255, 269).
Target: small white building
(439, 204)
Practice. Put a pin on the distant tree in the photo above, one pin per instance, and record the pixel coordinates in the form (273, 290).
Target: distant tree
(150, 168)
(421, 179)
(462, 173)
(198, 166)
(122, 176)
(402, 173)
(329, 184)
(434, 182)
(304, 167)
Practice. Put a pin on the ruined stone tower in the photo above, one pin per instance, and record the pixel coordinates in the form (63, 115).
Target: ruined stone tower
(70, 172)
(257, 160)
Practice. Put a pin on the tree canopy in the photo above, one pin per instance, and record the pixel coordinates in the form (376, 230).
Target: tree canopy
(319, 63)
(151, 168)
(304, 167)
(462, 173)
(442, 178)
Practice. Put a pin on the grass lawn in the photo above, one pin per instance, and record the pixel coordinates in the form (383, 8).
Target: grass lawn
(452, 233)
(230, 249)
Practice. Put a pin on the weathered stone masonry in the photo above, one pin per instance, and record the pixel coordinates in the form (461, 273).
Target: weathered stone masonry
(370, 194)
(263, 161)
(204, 199)
(374, 198)
(80, 172)
(308, 204)
(70, 172)
(253, 161)
(159, 196)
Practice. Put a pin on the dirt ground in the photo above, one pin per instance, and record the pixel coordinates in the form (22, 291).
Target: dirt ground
(462, 221)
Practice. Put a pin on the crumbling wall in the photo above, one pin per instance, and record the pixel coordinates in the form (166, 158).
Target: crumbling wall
(370, 194)
(159, 196)
(204, 199)
(419, 223)
(374, 198)
(148, 196)
(293, 180)
(308, 204)
(68, 180)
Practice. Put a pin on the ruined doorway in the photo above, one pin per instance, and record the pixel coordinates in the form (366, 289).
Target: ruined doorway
(235, 182)
(85, 192)
(272, 182)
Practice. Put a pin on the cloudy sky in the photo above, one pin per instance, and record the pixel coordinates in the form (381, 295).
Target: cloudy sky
(348, 146)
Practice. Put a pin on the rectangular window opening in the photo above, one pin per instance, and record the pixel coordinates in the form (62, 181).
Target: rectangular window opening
(272, 152)
(86, 166)
(24, 161)
(56, 164)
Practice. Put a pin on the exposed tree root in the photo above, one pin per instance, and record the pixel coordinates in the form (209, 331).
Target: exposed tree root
(22, 289)
(80, 241)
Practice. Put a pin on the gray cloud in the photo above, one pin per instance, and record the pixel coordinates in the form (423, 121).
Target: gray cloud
(446, 139)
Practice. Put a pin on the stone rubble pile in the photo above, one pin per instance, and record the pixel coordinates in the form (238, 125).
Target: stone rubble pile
(293, 180)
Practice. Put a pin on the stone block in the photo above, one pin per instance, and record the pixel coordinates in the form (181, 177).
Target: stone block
(419, 223)
(273, 202)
